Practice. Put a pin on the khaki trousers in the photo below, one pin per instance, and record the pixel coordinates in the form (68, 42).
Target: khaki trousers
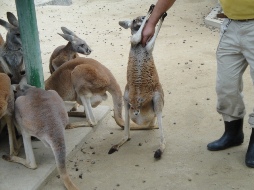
(234, 53)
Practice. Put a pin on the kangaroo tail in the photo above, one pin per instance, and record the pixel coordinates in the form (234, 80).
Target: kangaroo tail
(59, 150)
(117, 96)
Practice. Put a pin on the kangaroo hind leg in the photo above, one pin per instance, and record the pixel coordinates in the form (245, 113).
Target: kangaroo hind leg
(158, 105)
(126, 129)
(30, 160)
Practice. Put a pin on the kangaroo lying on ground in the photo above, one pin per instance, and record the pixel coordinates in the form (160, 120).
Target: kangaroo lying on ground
(7, 111)
(86, 81)
(42, 114)
(143, 96)
(67, 52)
(11, 55)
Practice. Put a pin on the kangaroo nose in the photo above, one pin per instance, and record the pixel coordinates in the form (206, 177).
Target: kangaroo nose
(22, 72)
(88, 50)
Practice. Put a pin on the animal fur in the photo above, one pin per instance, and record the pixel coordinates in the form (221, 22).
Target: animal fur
(69, 51)
(86, 81)
(11, 55)
(7, 112)
(41, 114)
(1, 40)
(143, 96)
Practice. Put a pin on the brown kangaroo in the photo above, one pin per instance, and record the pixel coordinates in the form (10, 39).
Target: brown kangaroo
(67, 52)
(86, 81)
(143, 96)
(7, 112)
(42, 114)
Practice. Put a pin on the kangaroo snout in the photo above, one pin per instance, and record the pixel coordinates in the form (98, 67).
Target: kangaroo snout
(136, 112)
(17, 76)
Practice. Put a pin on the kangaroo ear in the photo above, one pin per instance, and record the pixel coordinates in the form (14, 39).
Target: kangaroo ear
(12, 19)
(5, 24)
(125, 24)
(67, 37)
(67, 31)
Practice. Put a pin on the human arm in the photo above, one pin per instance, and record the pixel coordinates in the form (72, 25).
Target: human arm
(149, 29)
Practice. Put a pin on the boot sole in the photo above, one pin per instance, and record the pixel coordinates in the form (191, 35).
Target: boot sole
(225, 147)
(249, 165)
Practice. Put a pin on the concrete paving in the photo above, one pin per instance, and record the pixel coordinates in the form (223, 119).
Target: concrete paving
(34, 179)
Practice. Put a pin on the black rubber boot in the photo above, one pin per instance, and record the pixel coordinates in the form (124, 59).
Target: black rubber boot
(233, 136)
(249, 158)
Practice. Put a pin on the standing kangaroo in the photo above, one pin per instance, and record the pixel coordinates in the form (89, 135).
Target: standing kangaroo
(7, 112)
(143, 96)
(67, 52)
(11, 55)
(42, 114)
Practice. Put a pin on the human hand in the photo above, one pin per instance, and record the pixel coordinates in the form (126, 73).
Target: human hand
(147, 33)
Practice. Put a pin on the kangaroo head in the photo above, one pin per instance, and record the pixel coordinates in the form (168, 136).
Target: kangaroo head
(134, 25)
(136, 104)
(78, 45)
(13, 39)
(12, 57)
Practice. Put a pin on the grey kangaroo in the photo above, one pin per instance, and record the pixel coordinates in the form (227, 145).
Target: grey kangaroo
(11, 55)
(42, 114)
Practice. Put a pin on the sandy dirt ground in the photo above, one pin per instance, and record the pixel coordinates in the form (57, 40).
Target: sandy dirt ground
(185, 58)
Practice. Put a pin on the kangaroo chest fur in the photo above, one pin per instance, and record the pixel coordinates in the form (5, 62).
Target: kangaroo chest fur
(142, 77)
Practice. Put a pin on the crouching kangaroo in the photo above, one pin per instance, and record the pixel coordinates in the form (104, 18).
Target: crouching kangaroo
(42, 114)
(7, 112)
(143, 96)
(11, 55)
(86, 81)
